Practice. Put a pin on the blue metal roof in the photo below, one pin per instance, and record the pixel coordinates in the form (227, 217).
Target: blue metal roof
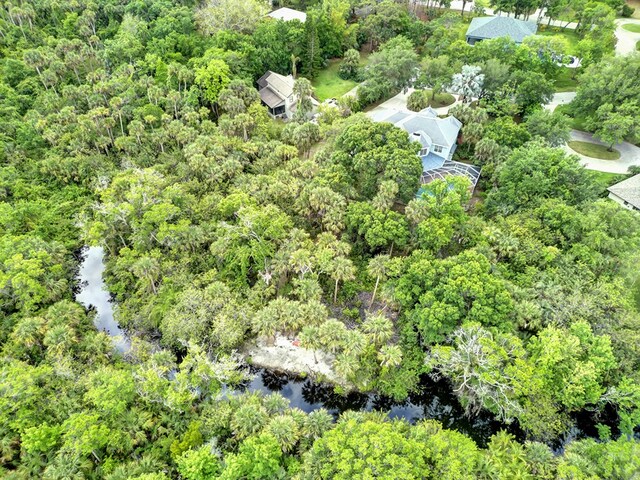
(431, 161)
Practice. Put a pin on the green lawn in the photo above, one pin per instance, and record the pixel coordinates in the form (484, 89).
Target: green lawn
(441, 99)
(604, 179)
(607, 179)
(638, 45)
(632, 27)
(593, 150)
(328, 84)
(570, 36)
(565, 81)
(577, 123)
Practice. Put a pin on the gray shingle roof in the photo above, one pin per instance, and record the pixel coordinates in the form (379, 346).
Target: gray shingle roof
(270, 98)
(628, 190)
(275, 88)
(441, 131)
(494, 27)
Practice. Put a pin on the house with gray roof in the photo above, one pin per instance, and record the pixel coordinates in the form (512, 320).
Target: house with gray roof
(276, 93)
(288, 14)
(438, 138)
(627, 193)
(486, 28)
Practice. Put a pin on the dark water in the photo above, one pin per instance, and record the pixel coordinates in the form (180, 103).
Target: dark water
(93, 294)
(435, 399)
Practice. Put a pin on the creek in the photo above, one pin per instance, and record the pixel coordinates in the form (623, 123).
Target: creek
(93, 295)
(434, 400)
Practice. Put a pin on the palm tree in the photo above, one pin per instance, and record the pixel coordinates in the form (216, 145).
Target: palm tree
(307, 289)
(332, 333)
(275, 403)
(390, 356)
(379, 328)
(310, 338)
(341, 269)
(266, 323)
(285, 430)
(346, 365)
(317, 422)
(248, 419)
(377, 267)
(147, 268)
(354, 342)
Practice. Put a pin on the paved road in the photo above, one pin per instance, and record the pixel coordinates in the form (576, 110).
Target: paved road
(629, 155)
(626, 40)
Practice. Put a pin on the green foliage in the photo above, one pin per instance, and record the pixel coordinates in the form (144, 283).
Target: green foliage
(191, 438)
(199, 464)
(218, 226)
(526, 178)
(363, 449)
(258, 457)
(350, 65)
(371, 153)
(212, 79)
(439, 295)
(389, 70)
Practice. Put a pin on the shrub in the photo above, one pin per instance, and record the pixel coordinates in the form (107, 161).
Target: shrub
(418, 100)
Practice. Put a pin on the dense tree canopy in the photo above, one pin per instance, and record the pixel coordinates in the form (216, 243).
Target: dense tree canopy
(137, 127)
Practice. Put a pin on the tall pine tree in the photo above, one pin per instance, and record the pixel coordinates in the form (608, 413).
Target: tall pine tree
(313, 56)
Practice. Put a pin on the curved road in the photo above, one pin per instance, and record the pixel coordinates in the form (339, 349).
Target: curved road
(626, 40)
(629, 155)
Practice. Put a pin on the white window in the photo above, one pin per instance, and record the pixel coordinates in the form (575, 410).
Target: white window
(424, 151)
(437, 149)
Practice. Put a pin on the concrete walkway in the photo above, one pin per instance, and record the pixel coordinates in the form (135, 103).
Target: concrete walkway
(626, 40)
(629, 155)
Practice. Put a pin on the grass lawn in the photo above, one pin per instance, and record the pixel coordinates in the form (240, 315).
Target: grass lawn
(604, 179)
(328, 84)
(577, 123)
(570, 35)
(441, 99)
(632, 27)
(593, 150)
(565, 82)
(638, 45)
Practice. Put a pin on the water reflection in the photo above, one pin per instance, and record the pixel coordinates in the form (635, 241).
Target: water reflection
(434, 401)
(93, 295)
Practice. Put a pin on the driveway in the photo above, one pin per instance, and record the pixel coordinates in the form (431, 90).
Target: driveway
(629, 155)
(626, 40)
(399, 102)
(561, 98)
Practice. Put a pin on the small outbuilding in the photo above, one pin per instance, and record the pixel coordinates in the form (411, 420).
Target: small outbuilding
(627, 193)
(288, 14)
(486, 28)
